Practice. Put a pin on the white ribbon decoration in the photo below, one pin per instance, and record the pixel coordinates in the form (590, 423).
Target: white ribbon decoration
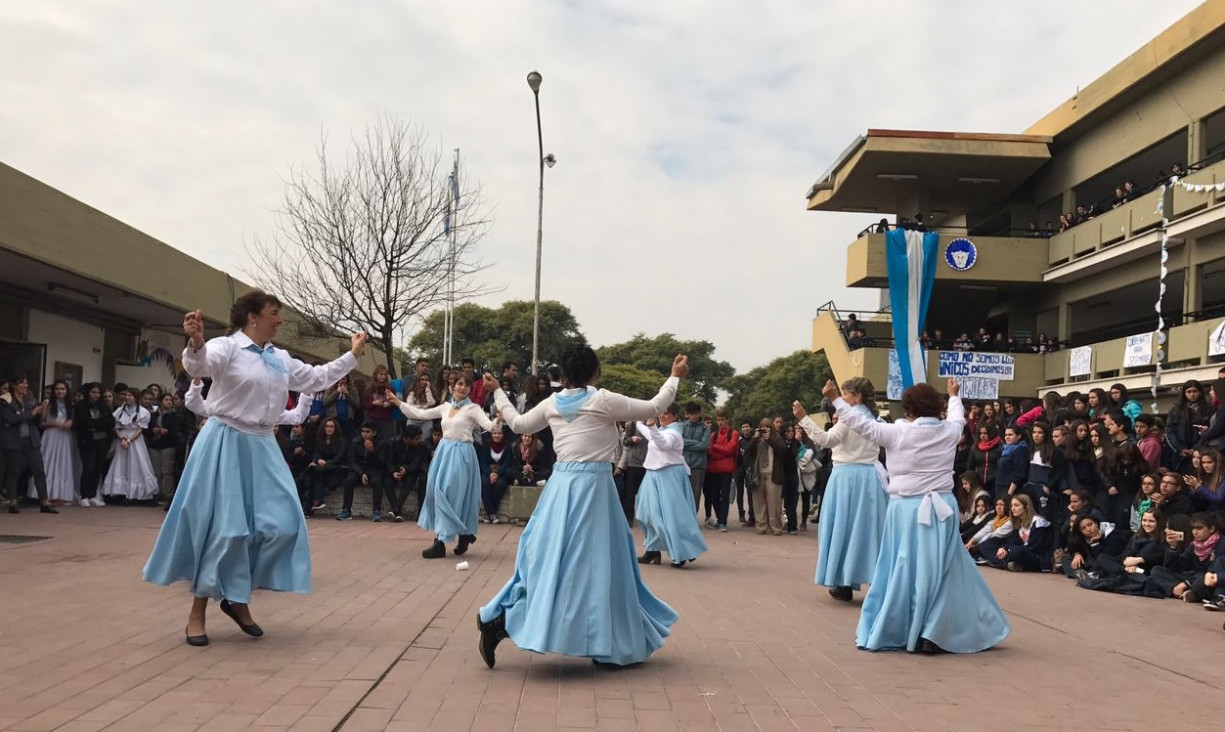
(933, 503)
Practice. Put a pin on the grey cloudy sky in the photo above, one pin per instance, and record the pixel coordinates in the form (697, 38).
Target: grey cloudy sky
(686, 132)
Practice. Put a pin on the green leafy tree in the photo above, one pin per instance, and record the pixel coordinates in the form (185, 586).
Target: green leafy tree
(629, 380)
(492, 336)
(767, 391)
(654, 356)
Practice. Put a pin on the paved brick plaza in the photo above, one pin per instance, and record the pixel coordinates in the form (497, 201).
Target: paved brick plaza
(388, 641)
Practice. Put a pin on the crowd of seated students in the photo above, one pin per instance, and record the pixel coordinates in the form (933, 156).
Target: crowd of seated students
(1090, 488)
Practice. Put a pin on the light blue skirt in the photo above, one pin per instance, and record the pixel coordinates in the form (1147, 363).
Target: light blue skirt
(665, 510)
(452, 491)
(235, 523)
(576, 588)
(852, 522)
(926, 586)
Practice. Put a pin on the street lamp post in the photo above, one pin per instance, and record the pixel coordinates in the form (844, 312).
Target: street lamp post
(533, 81)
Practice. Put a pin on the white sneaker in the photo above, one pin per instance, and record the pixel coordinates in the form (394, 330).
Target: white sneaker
(711, 523)
(98, 501)
(85, 503)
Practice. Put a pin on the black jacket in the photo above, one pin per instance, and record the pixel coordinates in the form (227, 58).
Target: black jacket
(412, 459)
(14, 415)
(93, 421)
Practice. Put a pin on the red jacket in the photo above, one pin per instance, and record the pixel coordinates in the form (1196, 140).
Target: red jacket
(723, 450)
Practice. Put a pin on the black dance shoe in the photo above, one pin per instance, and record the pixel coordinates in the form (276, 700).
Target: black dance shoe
(929, 648)
(649, 558)
(198, 641)
(841, 593)
(437, 550)
(252, 630)
(464, 541)
(680, 565)
(492, 634)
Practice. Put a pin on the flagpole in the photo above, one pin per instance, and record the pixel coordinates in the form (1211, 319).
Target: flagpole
(454, 198)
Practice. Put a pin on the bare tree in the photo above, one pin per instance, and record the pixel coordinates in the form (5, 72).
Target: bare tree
(376, 242)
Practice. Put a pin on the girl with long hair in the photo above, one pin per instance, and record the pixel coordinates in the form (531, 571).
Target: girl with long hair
(59, 447)
(1186, 419)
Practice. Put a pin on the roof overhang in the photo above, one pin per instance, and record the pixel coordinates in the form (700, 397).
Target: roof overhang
(888, 170)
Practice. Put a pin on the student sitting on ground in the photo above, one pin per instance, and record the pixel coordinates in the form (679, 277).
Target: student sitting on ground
(1028, 547)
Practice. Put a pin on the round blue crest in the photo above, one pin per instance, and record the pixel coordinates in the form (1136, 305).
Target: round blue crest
(960, 254)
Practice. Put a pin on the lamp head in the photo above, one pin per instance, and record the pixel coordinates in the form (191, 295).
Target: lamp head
(533, 80)
(550, 160)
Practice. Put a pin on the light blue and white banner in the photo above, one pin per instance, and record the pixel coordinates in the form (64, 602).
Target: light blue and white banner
(911, 260)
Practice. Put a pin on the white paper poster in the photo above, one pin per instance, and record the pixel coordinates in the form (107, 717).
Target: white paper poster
(1216, 341)
(976, 388)
(1080, 361)
(894, 390)
(1138, 351)
(998, 366)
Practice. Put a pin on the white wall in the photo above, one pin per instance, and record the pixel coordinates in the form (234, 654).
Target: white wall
(141, 376)
(70, 341)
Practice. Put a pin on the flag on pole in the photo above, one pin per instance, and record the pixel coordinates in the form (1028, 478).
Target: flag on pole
(910, 257)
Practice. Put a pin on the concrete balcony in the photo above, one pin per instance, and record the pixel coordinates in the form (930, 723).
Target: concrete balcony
(873, 363)
(1186, 358)
(1001, 259)
(1186, 202)
(1114, 226)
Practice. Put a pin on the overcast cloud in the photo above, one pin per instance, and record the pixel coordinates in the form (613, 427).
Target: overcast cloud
(686, 132)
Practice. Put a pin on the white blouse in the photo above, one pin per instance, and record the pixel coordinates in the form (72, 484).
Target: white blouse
(664, 446)
(459, 425)
(592, 435)
(920, 452)
(846, 445)
(247, 394)
(195, 403)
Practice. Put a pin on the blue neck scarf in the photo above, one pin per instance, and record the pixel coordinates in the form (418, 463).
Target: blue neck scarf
(460, 404)
(569, 404)
(1010, 448)
(270, 358)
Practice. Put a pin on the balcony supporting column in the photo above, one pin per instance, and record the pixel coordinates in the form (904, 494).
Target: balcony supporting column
(1065, 321)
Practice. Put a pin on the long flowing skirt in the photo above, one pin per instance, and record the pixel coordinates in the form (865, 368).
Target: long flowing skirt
(852, 523)
(665, 510)
(235, 523)
(926, 586)
(452, 491)
(131, 473)
(62, 465)
(576, 589)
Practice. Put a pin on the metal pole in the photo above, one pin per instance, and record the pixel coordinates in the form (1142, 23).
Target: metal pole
(539, 241)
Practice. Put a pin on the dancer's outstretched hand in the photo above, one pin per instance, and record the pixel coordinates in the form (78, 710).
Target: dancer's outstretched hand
(680, 366)
(797, 408)
(193, 328)
(830, 390)
(357, 343)
(391, 397)
(953, 387)
(491, 383)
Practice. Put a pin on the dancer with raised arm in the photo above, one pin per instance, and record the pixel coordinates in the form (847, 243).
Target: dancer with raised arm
(926, 595)
(856, 499)
(576, 589)
(235, 523)
(452, 505)
(664, 510)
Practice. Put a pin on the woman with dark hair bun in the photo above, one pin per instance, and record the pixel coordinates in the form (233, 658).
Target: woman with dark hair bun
(235, 523)
(926, 594)
(853, 510)
(576, 589)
